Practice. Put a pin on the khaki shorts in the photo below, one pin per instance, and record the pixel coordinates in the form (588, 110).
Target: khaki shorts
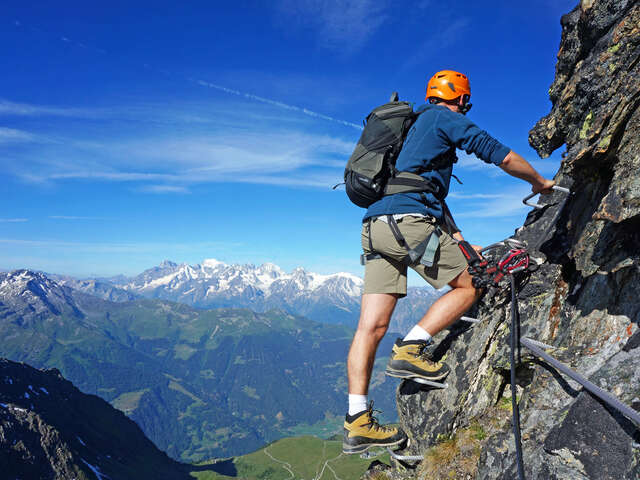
(389, 274)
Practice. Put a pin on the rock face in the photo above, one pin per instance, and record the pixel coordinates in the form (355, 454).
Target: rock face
(583, 300)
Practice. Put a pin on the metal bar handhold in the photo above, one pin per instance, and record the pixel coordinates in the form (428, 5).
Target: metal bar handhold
(424, 381)
(470, 319)
(593, 388)
(405, 458)
(542, 345)
(535, 205)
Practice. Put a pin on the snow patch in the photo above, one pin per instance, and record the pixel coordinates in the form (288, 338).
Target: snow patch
(95, 470)
(212, 263)
(44, 390)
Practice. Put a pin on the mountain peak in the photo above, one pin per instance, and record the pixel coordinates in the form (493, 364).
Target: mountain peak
(167, 263)
(212, 263)
(26, 290)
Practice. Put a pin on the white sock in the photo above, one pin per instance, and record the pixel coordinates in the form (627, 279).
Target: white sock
(357, 403)
(418, 333)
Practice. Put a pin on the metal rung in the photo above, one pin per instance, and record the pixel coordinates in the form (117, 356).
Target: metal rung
(470, 319)
(405, 458)
(526, 199)
(542, 345)
(424, 381)
(591, 387)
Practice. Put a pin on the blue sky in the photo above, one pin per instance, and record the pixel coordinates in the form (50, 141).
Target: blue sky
(132, 132)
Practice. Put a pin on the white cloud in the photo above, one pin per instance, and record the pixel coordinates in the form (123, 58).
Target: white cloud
(8, 108)
(171, 162)
(74, 217)
(343, 25)
(469, 196)
(13, 220)
(164, 189)
(10, 135)
(160, 149)
(507, 204)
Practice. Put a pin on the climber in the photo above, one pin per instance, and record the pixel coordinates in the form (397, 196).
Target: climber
(409, 219)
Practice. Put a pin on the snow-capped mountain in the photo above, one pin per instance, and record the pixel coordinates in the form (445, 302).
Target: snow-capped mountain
(213, 284)
(333, 298)
(33, 293)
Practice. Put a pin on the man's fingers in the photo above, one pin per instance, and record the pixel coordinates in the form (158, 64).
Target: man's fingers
(545, 187)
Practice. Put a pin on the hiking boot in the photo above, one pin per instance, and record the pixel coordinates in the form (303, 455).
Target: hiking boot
(362, 431)
(413, 358)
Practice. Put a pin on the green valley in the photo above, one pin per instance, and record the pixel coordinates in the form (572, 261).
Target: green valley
(200, 383)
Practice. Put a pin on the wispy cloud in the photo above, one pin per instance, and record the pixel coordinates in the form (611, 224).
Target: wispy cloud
(124, 247)
(8, 108)
(10, 135)
(13, 220)
(343, 25)
(170, 158)
(470, 196)
(73, 217)
(507, 204)
(164, 189)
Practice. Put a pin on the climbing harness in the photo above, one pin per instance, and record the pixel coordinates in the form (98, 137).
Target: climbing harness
(424, 253)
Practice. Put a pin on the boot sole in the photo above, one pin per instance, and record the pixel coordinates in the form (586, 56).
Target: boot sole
(407, 374)
(363, 448)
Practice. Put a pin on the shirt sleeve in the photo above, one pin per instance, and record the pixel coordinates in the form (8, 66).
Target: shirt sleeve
(467, 136)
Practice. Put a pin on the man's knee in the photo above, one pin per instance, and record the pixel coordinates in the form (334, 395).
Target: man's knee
(375, 313)
(465, 280)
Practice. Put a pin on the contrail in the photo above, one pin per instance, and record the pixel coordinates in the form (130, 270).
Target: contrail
(275, 103)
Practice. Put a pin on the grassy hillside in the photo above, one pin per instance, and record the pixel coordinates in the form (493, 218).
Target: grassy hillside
(300, 458)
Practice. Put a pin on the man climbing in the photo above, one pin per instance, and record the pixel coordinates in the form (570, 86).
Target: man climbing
(402, 221)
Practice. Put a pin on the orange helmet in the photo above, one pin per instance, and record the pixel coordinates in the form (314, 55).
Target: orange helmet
(448, 85)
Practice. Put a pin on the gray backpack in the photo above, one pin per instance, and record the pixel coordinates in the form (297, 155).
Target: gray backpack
(371, 173)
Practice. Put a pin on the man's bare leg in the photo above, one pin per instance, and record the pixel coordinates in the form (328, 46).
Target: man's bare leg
(375, 314)
(452, 305)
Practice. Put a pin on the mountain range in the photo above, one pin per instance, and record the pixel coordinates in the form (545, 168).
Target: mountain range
(331, 298)
(199, 383)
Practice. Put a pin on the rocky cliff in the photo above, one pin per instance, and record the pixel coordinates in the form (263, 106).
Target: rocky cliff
(51, 430)
(583, 300)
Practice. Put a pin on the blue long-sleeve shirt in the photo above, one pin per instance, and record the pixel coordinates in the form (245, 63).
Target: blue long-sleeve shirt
(431, 142)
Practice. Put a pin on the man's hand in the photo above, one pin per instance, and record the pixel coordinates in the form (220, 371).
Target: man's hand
(478, 249)
(543, 187)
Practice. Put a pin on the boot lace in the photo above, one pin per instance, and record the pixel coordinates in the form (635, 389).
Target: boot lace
(425, 352)
(373, 423)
